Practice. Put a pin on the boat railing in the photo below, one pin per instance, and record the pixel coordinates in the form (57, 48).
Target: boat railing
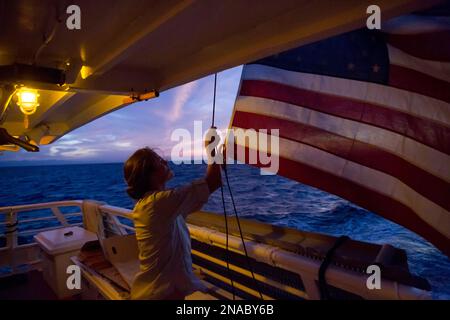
(279, 273)
(18, 224)
(269, 270)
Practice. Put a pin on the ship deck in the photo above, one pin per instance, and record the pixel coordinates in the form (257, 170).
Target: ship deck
(32, 286)
(26, 286)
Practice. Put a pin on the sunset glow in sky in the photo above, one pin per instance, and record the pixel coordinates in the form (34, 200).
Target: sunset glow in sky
(115, 136)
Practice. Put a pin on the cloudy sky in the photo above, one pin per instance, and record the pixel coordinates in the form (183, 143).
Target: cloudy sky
(115, 136)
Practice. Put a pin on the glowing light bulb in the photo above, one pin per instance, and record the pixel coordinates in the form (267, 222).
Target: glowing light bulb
(85, 72)
(28, 100)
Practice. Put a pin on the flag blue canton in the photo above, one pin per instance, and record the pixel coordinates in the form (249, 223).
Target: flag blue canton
(357, 55)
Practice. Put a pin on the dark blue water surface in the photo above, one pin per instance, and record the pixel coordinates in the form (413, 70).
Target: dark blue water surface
(271, 199)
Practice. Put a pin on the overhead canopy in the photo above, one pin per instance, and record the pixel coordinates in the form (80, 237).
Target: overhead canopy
(128, 48)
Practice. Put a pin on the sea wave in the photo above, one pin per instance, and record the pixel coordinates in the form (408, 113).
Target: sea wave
(270, 199)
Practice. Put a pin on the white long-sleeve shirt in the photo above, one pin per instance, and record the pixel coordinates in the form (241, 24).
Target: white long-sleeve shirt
(164, 241)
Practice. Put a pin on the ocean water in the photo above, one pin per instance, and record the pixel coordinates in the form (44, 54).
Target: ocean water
(270, 199)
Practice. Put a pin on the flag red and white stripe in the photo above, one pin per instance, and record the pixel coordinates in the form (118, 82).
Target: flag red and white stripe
(384, 147)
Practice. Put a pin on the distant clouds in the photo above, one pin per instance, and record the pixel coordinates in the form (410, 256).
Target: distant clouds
(72, 152)
(115, 136)
(123, 144)
(181, 96)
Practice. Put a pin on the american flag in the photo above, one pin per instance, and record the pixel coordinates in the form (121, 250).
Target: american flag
(364, 115)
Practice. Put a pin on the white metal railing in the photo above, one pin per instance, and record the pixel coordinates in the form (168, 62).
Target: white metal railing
(14, 256)
(17, 258)
(12, 222)
(306, 268)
